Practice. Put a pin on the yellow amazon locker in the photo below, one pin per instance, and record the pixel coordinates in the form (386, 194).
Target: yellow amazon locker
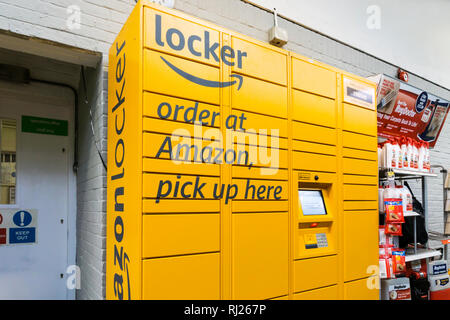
(236, 170)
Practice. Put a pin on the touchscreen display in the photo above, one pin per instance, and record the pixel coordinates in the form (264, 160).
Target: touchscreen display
(312, 202)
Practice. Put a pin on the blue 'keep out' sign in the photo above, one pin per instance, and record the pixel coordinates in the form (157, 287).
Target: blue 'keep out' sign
(22, 235)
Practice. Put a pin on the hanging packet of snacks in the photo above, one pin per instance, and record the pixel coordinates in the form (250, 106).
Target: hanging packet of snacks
(393, 229)
(394, 210)
(398, 261)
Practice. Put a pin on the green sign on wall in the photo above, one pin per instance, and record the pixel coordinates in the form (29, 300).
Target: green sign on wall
(45, 126)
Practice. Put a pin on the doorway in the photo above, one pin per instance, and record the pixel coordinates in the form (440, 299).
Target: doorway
(37, 190)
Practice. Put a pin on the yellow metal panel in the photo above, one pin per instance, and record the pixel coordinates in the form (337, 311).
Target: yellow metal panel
(244, 172)
(183, 148)
(262, 140)
(361, 205)
(157, 38)
(262, 189)
(260, 97)
(314, 162)
(257, 121)
(177, 167)
(258, 206)
(360, 243)
(355, 179)
(154, 142)
(260, 156)
(260, 255)
(123, 224)
(186, 185)
(180, 110)
(360, 154)
(359, 141)
(327, 293)
(159, 77)
(309, 77)
(177, 129)
(176, 234)
(361, 290)
(358, 166)
(314, 133)
(360, 192)
(313, 109)
(191, 277)
(360, 120)
(313, 147)
(315, 272)
(310, 178)
(258, 66)
(180, 206)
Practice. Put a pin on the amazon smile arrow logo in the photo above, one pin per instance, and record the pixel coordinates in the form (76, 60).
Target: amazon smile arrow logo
(198, 43)
(205, 82)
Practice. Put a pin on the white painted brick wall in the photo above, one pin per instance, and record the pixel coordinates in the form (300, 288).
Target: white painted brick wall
(101, 20)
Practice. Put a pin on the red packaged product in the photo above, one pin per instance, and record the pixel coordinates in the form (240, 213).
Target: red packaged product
(394, 229)
(398, 261)
(394, 210)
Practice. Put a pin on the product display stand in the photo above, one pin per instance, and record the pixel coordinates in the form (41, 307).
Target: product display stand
(400, 175)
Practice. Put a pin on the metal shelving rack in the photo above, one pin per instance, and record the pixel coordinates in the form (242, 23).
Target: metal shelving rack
(444, 238)
(402, 174)
(446, 189)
